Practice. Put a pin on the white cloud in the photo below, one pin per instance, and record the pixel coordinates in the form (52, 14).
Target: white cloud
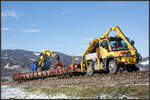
(66, 12)
(10, 14)
(31, 30)
(4, 29)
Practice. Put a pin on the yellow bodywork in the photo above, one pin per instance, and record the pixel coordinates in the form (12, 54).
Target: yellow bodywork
(102, 53)
(94, 41)
(82, 66)
(45, 52)
(131, 48)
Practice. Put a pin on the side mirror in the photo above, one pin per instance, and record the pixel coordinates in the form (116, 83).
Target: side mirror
(132, 42)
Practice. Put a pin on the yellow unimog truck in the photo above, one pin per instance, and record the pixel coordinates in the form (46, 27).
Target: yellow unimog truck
(109, 54)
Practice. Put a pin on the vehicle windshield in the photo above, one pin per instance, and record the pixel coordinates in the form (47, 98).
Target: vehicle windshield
(118, 44)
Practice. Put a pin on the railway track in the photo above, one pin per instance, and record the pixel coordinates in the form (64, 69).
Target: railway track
(140, 77)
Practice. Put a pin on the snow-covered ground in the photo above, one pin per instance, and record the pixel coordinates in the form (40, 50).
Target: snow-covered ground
(8, 92)
(143, 65)
(120, 96)
(145, 62)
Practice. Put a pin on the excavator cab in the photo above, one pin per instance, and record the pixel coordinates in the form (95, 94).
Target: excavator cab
(118, 44)
(46, 63)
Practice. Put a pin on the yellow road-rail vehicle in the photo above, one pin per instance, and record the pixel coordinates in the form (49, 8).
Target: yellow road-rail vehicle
(109, 54)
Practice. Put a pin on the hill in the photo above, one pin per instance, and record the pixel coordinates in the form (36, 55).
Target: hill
(15, 61)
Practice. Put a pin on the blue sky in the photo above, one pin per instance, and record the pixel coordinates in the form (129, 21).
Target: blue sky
(68, 27)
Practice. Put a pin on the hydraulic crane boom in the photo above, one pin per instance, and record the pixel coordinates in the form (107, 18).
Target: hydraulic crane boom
(117, 29)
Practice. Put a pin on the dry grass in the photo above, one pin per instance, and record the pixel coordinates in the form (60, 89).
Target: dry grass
(138, 91)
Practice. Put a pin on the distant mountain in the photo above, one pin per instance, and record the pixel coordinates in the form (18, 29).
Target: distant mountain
(15, 61)
(143, 64)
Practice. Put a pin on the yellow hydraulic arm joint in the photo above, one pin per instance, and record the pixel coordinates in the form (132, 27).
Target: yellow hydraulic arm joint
(45, 52)
(116, 28)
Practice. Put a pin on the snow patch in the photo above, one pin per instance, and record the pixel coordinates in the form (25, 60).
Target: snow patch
(143, 65)
(144, 62)
(8, 92)
(36, 53)
(119, 96)
(142, 69)
(32, 59)
(59, 96)
(103, 96)
(126, 97)
(11, 67)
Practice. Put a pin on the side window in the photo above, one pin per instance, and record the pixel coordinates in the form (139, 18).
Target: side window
(104, 44)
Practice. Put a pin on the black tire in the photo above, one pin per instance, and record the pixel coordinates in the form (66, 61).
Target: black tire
(91, 69)
(139, 57)
(132, 68)
(112, 67)
(136, 68)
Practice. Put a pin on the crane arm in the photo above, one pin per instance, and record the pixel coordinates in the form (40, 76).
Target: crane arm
(116, 28)
(91, 45)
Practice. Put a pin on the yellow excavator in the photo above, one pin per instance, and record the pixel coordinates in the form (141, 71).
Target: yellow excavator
(45, 58)
(110, 54)
(44, 62)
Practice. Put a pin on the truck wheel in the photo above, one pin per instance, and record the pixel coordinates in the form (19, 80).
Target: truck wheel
(139, 57)
(132, 68)
(136, 68)
(112, 67)
(91, 69)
